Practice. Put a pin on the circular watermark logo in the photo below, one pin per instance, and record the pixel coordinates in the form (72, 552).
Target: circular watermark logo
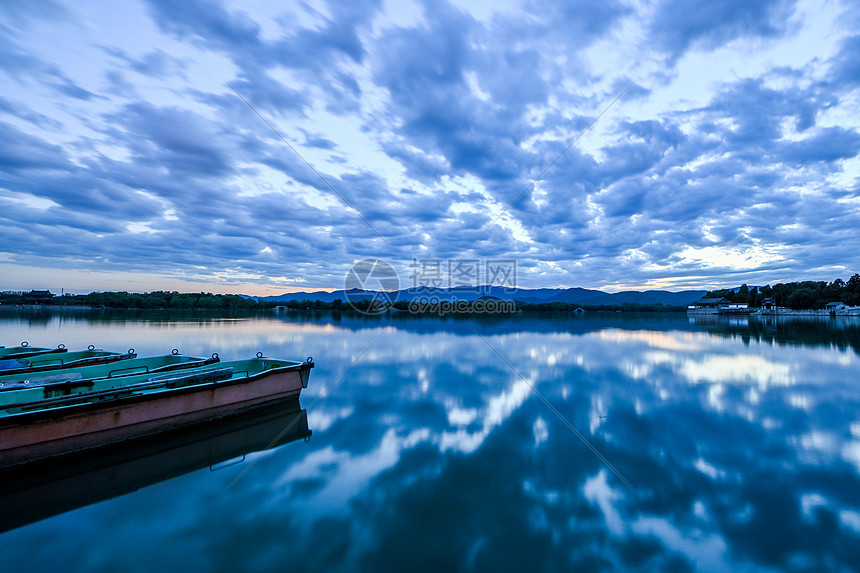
(371, 286)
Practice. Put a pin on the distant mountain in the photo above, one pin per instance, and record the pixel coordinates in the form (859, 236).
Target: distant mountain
(681, 298)
(324, 296)
(576, 295)
(571, 296)
(460, 293)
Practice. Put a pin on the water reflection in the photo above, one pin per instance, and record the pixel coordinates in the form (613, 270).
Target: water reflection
(742, 438)
(36, 491)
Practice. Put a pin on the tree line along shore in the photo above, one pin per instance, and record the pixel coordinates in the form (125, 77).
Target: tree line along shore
(209, 301)
(794, 295)
(806, 295)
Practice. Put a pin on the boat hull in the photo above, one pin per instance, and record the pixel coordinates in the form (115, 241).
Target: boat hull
(46, 433)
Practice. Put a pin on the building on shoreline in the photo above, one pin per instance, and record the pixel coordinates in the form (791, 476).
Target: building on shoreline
(718, 306)
(38, 297)
(831, 309)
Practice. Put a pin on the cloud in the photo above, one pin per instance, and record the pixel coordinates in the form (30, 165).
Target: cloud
(828, 145)
(845, 66)
(23, 14)
(206, 22)
(678, 26)
(156, 63)
(28, 152)
(179, 140)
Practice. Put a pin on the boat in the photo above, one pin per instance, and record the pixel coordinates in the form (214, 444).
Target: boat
(82, 378)
(26, 351)
(36, 491)
(60, 418)
(52, 361)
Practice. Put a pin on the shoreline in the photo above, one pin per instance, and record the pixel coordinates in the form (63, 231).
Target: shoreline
(770, 313)
(45, 307)
(780, 311)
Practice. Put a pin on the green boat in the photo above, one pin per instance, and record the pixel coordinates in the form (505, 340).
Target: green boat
(82, 377)
(83, 381)
(52, 361)
(26, 351)
(60, 418)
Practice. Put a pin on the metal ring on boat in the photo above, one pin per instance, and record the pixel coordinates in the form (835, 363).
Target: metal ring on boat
(307, 439)
(310, 360)
(25, 343)
(61, 346)
(215, 356)
(131, 350)
(91, 347)
(259, 355)
(175, 351)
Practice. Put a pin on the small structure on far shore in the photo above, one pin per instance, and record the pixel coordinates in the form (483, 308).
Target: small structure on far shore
(710, 302)
(831, 309)
(718, 306)
(38, 297)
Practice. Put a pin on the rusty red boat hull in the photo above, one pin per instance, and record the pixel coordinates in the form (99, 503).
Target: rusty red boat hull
(42, 434)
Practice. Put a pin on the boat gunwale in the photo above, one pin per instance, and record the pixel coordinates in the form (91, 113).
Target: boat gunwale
(23, 352)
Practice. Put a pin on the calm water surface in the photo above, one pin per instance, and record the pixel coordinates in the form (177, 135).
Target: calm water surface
(739, 441)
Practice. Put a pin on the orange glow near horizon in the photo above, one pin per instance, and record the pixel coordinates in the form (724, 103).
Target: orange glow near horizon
(25, 278)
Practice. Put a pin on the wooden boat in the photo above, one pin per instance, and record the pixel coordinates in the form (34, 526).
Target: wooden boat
(82, 378)
(52, 361)
(26, 351)
(32, 492)
(34, 427)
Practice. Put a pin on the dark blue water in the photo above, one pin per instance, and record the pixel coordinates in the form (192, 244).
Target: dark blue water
(537, 443)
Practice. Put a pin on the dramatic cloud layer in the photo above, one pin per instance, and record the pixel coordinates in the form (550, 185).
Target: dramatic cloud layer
(128, 151)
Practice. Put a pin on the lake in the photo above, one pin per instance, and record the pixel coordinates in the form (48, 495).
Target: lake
(596, 441)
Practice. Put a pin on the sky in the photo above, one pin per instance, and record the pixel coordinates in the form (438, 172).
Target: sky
(263, 147)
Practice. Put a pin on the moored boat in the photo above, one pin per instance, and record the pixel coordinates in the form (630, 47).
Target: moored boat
(81, 378)
(26, 351)
(55, 419)
(53, 361)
